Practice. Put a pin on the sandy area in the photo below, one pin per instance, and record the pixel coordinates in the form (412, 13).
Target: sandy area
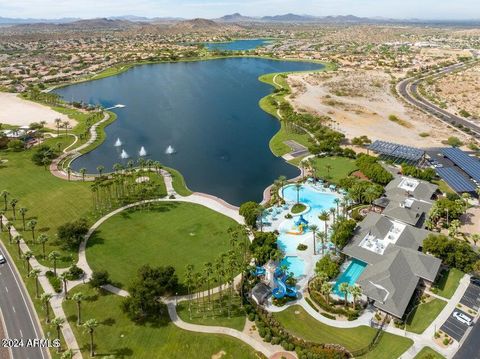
(20, 112)
(360, 103)
(470, 221)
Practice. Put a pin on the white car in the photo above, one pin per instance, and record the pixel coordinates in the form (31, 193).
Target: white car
(2, 259)
(462, 318)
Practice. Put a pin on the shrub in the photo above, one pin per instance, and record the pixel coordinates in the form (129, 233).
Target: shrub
(249, 211)
(16, 145)
(446, 341)
(251, 317)
(99, 278)
(328, 266)
(43, 155)
(302, 247)
(54, 281)
(369, 166)
(75, 272)
(72, 233)
(329, 316)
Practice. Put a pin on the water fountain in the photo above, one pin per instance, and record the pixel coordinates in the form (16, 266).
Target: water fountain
(170, 150)
(118, 143)
(142, 152)
(124, 155)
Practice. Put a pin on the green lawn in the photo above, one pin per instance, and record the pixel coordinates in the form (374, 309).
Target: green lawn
(215, 314)
(178, 182)
(424, 315)
(305, 326)
(173, 233)
(448, 282)
(340, 167)
(118, 337)
(428, 353)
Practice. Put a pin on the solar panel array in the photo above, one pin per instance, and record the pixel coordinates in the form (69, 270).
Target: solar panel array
(468, 164)
(456, 180)
(396, 150)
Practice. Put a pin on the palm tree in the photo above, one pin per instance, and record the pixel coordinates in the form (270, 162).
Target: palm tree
(370, 195)
(78, 298)
(18, 240)
(208, 270)
(337, 203)
(356, 292)
(298, 186)
(69, 172)
(326, 290)
(100, 170)
(188, 283)
(2, 214)
(282, 180)
(65, 125)
(466, 197)
(328, 168)
(13, 204)
(324, 216)
(68, 354)
(23, 211)
(34, 273)
(83, 171)
(90, 326)
(9, 229)
(322, 236)
(57, 323)
(57, 123)
(27, 256)
(344, 288)
(45, 299)
(53, 257)
(5, 195)
(314, 229)
(43, 239)
(259, 212)
(332, 212)
(475, 238)
(64, 277)
(31, 224)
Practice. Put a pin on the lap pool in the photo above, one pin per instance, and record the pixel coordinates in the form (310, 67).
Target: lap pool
(295, 265)
(350, 275)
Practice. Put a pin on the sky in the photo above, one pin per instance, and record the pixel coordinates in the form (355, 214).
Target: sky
(398, 9)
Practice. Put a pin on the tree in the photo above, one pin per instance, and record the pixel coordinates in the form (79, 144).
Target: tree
(42, 239)
(452, 252)
(99, 279)
(43, 155)
(326, 290)
(298, 187)
(324, 216)
(27, 256)
(57, 323)
(53, 257)
(72, 233)
(328, 266)
(64, 277)
(475, 238)
(18, 240)
(90, 326)
(83, 171)
(65, 125)
(282, 181)
(150, 284)
(58, 123)
(100, 170)
(31, 224)
(323, 238)
(45, 299)
(68, 354)
(249, 211)
(13, 204)
(342, 231)
(208, 270)
(5, 195)
(344, 288)
(78, 298)
(34, 273)
(188, 284)
(356, 292)
(23, 211)
(314, 229)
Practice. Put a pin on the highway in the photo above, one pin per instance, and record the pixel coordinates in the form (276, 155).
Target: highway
(408, 89)
(18, 313)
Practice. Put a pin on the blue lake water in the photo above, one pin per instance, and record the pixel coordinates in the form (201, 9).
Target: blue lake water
(237, 45)
(207, 110)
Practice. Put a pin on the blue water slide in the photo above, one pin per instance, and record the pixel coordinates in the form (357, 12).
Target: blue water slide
(281, 289)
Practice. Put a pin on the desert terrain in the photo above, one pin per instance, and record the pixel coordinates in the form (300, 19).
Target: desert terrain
(360, 102)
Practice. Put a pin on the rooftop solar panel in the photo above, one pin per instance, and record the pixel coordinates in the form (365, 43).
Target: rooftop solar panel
(468, 164)
(455, 180)
(396, 150)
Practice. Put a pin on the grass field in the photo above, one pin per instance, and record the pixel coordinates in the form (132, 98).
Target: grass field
(216, 313)
(428, 353)
(306, 327)
(178, 182)
(340, 167)
(447, 284)
(424, 314)
(172, 233)
(118, 337)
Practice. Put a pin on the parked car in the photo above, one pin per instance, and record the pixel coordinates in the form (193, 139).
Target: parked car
(475, 281)
(2, 259)
(462, 318)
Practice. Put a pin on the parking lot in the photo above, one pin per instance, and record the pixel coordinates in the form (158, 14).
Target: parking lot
(453, 327)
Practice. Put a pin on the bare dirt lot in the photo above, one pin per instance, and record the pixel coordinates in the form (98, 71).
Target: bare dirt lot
(361, 103)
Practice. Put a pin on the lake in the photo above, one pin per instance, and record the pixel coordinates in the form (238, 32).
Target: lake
(237, 45)
(206, 110)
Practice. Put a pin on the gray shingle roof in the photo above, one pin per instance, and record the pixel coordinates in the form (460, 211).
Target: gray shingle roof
(424, 191)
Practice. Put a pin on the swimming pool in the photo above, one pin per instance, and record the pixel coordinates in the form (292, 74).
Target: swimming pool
(350, 275)
(295, 265)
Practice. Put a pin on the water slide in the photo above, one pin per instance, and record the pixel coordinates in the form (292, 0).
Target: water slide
(282, 289)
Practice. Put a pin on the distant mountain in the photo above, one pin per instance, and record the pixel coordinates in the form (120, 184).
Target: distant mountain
(289, 18)
(237, 17)
(101, 23)
(130, 18)
(17, 21)
(203, 25)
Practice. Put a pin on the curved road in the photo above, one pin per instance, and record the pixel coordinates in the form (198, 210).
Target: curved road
(408, 89)
(18, 312)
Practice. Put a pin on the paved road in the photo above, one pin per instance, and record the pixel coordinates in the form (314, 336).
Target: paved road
(408, 89)
(18, 314)
(470, 348)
